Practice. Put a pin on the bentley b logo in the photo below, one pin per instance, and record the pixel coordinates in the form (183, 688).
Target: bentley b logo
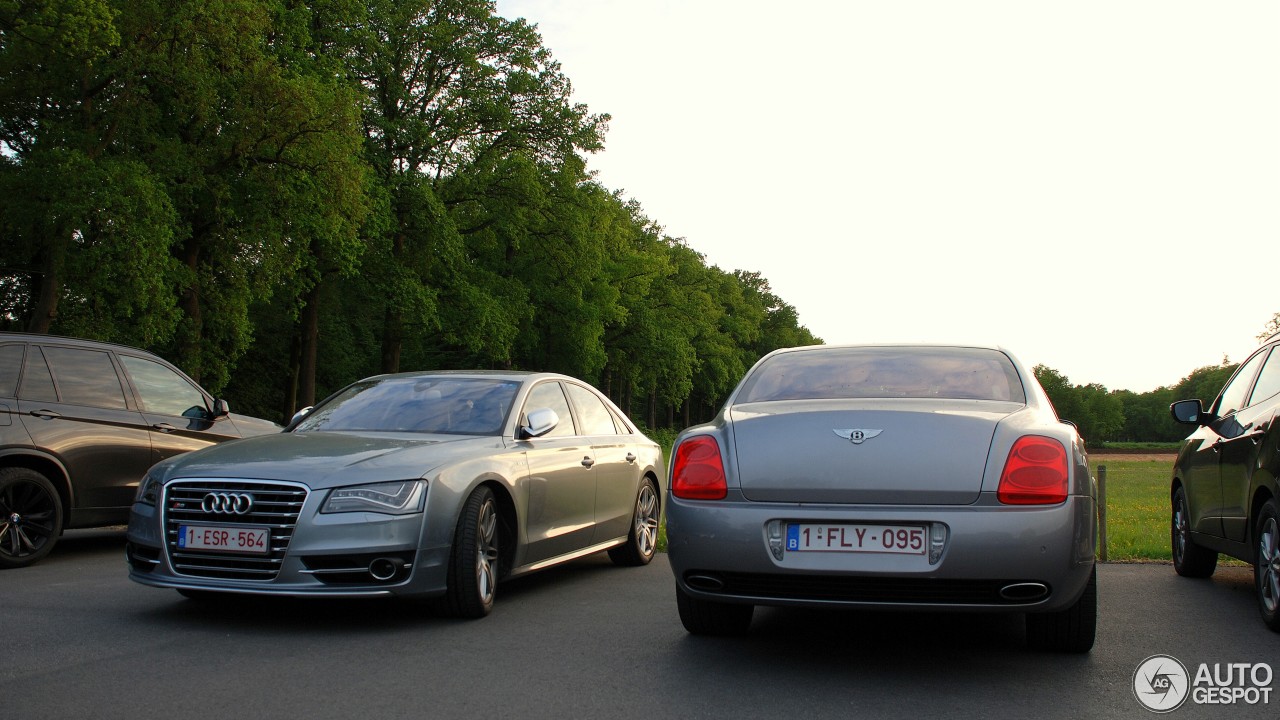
(857, 436)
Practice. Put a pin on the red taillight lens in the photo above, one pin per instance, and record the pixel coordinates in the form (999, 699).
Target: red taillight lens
(1035, 473)
(698, 473)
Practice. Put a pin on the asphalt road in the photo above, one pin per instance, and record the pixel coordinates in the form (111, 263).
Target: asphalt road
(587, 640)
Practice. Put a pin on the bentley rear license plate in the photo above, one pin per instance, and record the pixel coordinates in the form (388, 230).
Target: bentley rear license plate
(897, 539)
(225, 538)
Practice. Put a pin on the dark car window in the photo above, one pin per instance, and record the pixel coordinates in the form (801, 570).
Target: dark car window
(85, 377)
(889, 372)
(10, 369)
(1268, 380)
(460, 406)
(162, 390)
(592, 413)
(549, 395)
(1233, 396)
(37, 381)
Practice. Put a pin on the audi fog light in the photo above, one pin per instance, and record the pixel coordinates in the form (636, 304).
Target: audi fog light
(393, 498)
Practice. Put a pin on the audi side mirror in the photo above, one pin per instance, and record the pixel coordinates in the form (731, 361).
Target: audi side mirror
(221, 408)
(538, 423)
(297, 417)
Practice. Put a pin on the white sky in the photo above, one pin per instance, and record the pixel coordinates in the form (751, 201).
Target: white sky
(1093, 184)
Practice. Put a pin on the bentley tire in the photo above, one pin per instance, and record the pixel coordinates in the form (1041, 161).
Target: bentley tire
(705, 617)
(1071, 630)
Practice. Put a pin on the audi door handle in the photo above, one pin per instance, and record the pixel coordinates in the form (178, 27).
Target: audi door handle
(588, 462)
(45, 414)
(163, 427)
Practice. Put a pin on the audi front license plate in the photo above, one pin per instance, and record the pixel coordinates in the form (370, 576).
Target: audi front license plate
(225, 538)
(896, 539)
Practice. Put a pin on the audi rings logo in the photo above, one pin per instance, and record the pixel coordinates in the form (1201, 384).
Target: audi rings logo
(222, 503)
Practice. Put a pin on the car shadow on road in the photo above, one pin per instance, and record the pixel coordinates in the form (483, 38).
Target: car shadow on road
(358, 615)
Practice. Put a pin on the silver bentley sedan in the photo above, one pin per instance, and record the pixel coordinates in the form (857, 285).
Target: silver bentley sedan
(434, 484)
(886, 477)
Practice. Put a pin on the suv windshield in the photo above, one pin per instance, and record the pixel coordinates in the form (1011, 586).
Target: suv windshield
(460, 406)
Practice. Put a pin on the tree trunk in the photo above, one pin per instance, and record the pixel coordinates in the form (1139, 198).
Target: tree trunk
(191, 332)
(48, 285)
(309, 345)
(392, 341)
(291, 380)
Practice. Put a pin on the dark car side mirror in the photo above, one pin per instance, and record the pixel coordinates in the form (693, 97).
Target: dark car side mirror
(221, 409)
(1189, 412)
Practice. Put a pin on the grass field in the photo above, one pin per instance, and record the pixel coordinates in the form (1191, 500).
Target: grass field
(1137, 499)
(1138, 507)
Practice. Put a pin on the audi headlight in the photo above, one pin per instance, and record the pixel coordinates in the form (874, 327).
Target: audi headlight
(392, 498)
(148, 490)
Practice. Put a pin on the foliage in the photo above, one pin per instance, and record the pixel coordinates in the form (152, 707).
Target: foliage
(285, 196)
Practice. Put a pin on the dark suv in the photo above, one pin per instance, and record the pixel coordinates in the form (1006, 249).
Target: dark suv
(1225, 495)
(80, 424)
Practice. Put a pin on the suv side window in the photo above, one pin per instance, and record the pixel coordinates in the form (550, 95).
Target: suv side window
(86, 377)
(1268, 380)
(549, 395)
(10, 368)
(162, 390)
(595, 417)
(1234, 394)
(37, 381)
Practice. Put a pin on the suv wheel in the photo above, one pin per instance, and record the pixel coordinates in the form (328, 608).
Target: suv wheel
(1189, 559)
(1266, 565)
(30, 517)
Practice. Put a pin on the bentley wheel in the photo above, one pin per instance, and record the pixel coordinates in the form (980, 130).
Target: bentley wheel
(1070, 630)
(30, 517)
(473, 567)
(1189, 559)
(642, 541)
(1266, 566)
(704, 617)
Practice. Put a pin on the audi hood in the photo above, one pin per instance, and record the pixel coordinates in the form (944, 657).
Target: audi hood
(323, 460)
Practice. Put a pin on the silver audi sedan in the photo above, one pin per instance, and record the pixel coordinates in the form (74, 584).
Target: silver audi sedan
(434, 484)
(886, 477)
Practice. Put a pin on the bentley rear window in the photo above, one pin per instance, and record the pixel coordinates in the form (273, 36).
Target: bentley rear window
(885, 372)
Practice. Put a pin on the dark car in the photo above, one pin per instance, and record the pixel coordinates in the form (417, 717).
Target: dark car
(80, 424)
(1224, 491)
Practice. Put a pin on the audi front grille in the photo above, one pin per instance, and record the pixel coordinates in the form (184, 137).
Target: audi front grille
(230, 504)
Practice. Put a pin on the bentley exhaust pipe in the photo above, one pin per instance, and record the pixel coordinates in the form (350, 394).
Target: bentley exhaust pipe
(1024, 592)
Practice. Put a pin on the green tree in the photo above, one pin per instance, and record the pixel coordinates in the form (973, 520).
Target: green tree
(450, 87)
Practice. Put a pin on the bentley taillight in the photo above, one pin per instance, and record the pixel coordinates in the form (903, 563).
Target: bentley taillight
(698, 473)
(1035, 473)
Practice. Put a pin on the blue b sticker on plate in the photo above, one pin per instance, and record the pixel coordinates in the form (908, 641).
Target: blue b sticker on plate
(793, 537)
